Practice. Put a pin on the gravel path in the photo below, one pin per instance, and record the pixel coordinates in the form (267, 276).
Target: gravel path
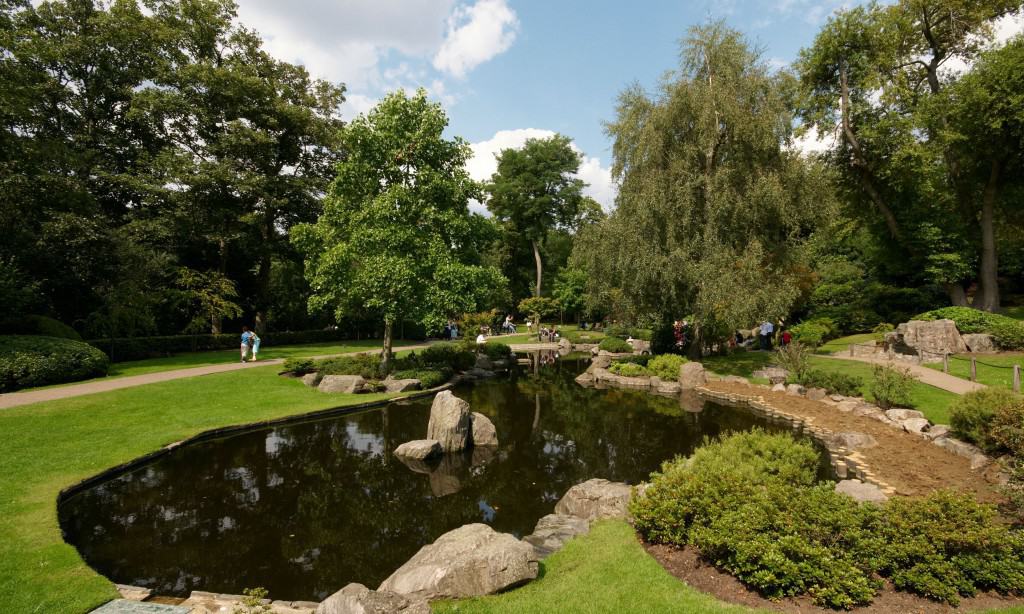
(925, 375)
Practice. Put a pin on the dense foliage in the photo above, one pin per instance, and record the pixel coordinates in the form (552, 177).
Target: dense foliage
(714, 213)
(1008, 332)
(614, 345)
(992, 418)
(28, 361)
(834, 382)
(750, 504)
(666, 366)
(891, 386)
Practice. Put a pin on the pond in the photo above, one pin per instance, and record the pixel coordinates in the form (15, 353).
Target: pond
(303, 509)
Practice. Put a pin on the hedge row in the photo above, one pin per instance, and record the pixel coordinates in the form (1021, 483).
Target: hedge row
(28, 361)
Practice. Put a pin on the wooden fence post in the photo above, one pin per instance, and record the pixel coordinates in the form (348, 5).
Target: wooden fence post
(1016, 378)
(945, 362)
(974, 369)
(851, 349)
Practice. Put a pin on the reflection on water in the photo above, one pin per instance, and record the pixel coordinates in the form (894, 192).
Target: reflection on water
(304, 509)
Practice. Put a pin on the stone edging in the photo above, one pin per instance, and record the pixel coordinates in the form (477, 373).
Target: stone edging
(845, 462)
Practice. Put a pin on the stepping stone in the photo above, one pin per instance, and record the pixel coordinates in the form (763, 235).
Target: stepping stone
(124, 606)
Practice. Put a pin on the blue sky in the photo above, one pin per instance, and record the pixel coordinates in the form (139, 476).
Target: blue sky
(506, 70)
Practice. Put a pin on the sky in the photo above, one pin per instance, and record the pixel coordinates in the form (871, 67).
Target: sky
(508, 70)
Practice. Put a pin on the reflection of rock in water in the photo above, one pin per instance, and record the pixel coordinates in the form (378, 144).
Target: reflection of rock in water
(481, 456)
(448, 472)
(690, 401)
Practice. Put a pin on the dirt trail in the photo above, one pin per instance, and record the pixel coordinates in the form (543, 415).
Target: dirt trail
(911, 464)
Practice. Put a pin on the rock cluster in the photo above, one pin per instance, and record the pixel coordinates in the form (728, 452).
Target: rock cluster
(928, 339)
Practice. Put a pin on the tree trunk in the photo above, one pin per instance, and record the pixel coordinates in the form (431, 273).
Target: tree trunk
(216, 322)
(265, 266)
(385, 357)
(957, 295)
(989, 280)
(536, 256)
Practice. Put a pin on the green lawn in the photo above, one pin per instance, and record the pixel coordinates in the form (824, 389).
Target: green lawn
(842, 344)
(49, 446)
(932, 401)
(999, 375)
(604, 571)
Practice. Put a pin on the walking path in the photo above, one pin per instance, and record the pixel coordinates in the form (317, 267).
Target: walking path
(932, 377)
(16, 399)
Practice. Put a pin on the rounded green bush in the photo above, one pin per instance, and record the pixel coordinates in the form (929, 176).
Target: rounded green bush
(496, 351)
(615, 345)
(27, 361)
(299, 366)
(1008, 333)
(628, 369)
(666, 366)
(972, 414)
(448, 354)
(429, 378)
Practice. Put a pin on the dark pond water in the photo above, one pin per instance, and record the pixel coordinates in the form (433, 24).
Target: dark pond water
(304, 509)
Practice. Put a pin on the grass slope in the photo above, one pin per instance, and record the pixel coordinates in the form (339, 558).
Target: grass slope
(49, 446)
(604, 571)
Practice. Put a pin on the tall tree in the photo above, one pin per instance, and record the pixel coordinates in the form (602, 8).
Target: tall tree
(396, 237)
(876, 75)
(714, 212)
(535, 190)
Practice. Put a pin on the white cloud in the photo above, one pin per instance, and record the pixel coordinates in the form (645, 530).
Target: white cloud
(476, 34)
(812, 142)
(483, 164)
(1007, 27)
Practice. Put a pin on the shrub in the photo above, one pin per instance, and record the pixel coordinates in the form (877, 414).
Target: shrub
(39, 325)
(946, 545)
(811, 333)
(496, 351)
(972, 414)
(1007, 428)
(27, 361)
(615, 345)
(628, 369)
(666, 366)
(429, 378)
(891, 386)
(834, 382)
(637, 359)
(365, 365)
(451, 355)
(795, 358)
(880, 330)
(583, 336)
(1009, 334)
(663, 340)
(750, 504)
(299, 366)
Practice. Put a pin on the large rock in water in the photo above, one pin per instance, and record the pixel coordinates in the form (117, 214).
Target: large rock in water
(470, 561)
(450, 422)
(596, 499)
(348, 384)
(357, 599)
(931, 339)
(484, 433)
(692, 375)
(420, 449)
(553, 531)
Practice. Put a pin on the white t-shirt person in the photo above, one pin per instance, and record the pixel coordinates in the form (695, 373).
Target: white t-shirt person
(480, 339)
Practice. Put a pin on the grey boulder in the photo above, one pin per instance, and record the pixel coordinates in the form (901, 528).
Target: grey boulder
(692, 375)
(553, 531)
(852, 440)
(816, 394)
(420, 449)
(898, 415)
(357, 599)
(470, 561)
(450, 422)
(401, 385)
(916, 425)
(484, 433)
(596, 499)
(861, 492)
(980, 342)
(347, 384)
(312, 379)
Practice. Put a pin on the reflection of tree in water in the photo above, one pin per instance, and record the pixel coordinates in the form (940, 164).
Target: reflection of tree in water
(304, 509)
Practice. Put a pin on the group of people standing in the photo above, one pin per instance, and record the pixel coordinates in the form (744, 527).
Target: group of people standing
(250, 344)
(767, 334)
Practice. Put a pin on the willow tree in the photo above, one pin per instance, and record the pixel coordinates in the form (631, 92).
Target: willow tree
(396, 238)
(714, 210)
(877, 77)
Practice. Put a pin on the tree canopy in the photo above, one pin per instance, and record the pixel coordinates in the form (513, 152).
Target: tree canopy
(396, 237)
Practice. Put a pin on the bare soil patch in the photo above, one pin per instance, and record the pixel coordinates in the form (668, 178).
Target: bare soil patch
(687, 565)
(909, 463)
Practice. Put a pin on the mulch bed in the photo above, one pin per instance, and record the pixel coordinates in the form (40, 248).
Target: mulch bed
(687, 565)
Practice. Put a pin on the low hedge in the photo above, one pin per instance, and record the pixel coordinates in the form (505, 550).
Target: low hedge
(28, 361)
(987, 417)
(628, 369)
(365, 365)
(1008, 333)
(834, 382)
(299, 366)
(448, 354)
(429, 378)
(666, 366)
(496, 351)
(751, 505)
(615, 345)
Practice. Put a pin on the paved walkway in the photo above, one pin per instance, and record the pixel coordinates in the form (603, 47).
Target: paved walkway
(932, 377)
(16, 399)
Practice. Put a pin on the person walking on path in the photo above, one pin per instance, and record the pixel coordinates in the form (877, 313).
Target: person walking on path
(247, 336)
(255, 340)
